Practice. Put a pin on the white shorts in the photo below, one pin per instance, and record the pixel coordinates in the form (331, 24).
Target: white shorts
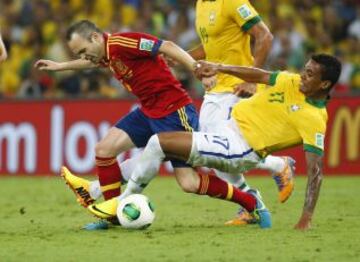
(227, 151)
(215, 111)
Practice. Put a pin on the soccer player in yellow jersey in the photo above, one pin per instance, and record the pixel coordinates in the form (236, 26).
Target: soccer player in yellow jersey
(290, 112)
(225, 29)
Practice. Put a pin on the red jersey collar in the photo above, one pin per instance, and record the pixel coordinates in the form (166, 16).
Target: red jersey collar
(106, 46)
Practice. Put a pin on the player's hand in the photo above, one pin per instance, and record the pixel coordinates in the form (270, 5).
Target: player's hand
(209, 82)
(304, 222)
(245, 89)
(47, 65)
(205, 69)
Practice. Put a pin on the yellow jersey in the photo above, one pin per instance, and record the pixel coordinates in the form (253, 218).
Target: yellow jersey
(281, 117)
(222, 26)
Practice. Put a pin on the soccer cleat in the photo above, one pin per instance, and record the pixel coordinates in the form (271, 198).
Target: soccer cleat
(261, 213)
(79, 186)
(105, 210)
(98, 225)
(285, 179)
(243, 217)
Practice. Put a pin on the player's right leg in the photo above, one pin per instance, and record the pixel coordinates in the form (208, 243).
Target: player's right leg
(107, 149)
(130, 131)
(86, 191)
(108, 170)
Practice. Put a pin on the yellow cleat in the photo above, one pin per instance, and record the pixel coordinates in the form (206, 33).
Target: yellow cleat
(79, 186)
(243, 218)
(285, 179)
(105, 210)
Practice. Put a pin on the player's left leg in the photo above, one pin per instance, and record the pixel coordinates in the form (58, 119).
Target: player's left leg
(214, 112)
(212, 186)
(216, 109)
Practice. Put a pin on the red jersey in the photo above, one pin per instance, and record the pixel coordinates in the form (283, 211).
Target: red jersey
(134, 60)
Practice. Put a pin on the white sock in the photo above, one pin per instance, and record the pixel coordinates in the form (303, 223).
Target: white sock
(147, 167)
(95, 189)
(132, 187)
(274, 164)
(237, 180)
(128, 166)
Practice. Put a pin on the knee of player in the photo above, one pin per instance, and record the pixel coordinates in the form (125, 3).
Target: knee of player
(102, 150)
(188, 181)
(188, 186)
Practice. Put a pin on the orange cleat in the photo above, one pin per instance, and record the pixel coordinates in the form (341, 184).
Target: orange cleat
(285, 179)
(243, 218)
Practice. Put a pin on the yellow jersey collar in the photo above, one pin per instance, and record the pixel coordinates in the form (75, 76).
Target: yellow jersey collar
(316, 103)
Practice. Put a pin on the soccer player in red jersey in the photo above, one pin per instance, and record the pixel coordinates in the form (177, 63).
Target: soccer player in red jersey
(165, 106)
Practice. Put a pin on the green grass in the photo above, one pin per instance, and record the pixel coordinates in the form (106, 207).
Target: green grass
(40, 221)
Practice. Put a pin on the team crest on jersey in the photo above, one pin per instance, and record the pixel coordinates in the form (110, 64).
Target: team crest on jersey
(294, 108)
(121, 69)
(146, 44)
(212, 17)
(319, 140)
(244, 11)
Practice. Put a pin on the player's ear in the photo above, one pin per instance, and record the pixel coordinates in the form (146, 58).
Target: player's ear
(94, 37)
(325, 84)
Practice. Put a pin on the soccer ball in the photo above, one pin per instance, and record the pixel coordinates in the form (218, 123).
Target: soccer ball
(136, 212)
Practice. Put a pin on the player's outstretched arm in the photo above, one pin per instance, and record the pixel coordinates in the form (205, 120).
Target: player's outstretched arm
(175, 52)
(3, 53)
(314, 171)
(248, 74)
(78, 64)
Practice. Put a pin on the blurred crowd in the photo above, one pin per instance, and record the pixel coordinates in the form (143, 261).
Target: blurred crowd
(35, 29)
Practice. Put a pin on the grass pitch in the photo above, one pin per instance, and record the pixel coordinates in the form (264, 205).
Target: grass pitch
(40, 221)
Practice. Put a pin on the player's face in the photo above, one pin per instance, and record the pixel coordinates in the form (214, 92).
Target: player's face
(311, 83)
(92, 49)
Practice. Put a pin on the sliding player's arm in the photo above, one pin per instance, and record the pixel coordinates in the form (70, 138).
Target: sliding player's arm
(248, 74)
(314, 172)
(78, 64)
(3, 53)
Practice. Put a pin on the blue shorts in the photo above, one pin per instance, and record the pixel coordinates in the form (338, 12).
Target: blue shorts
(140, 128)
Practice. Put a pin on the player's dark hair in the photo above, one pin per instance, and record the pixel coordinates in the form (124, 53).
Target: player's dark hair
(331, 67)
(84, 28)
